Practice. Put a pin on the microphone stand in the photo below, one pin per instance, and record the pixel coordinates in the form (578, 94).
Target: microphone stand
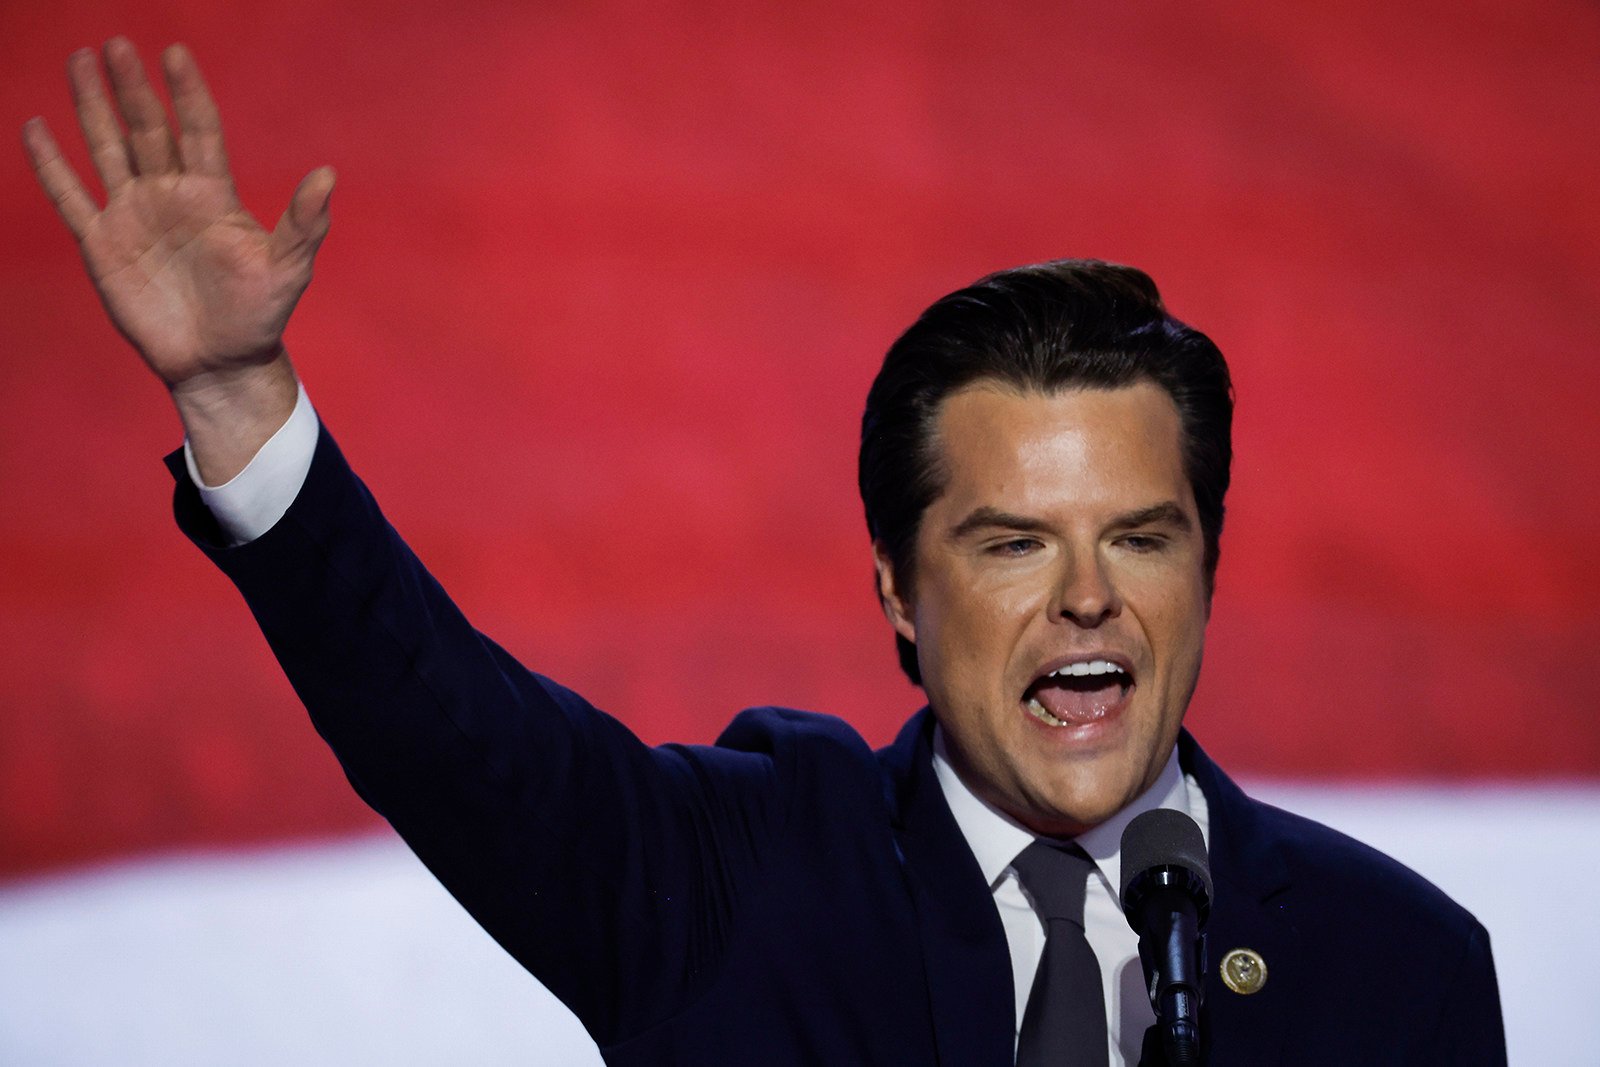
(1175, 965)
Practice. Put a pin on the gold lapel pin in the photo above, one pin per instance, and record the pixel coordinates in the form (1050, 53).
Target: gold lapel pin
(1244, 971)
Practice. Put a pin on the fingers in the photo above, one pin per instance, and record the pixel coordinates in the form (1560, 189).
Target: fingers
(200, 126)
(149, 139)
(99, 122)
(57, 178)
(305, 221)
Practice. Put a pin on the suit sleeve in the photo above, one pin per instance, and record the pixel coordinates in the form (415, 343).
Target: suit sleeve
(609, 869)
(1470, 1032)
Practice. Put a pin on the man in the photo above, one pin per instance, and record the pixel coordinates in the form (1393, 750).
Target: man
(1044, 460)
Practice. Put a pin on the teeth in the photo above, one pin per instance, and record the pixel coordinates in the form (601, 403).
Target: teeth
(1038, 711)
(1083, 670)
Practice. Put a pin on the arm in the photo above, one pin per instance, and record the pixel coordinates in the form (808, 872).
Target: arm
(609, 869)
(1470, 1029)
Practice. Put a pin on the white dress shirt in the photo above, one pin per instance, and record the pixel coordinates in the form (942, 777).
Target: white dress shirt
(252, 502)
(995, 840)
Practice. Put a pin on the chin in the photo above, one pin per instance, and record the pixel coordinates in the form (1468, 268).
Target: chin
(1072, 823)
(1071, 811)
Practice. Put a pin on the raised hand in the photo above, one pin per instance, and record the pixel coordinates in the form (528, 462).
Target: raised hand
(198, 286)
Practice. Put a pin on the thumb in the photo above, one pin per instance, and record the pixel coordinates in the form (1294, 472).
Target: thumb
(305, 221)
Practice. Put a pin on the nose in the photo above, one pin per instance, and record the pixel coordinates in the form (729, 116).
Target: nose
(1087, 596)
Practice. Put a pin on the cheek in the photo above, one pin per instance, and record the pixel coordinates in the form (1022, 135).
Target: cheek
(1172, 587)
(1172, 611)
(971, 633)
(980, 628)
(1179, 635)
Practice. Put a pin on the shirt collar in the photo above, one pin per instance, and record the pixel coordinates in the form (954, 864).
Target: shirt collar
(995, 838)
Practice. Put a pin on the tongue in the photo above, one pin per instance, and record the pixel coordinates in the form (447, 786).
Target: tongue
(1079, 702)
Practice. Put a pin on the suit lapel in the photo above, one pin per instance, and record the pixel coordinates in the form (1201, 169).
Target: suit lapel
(966, 962)
(967, 965)
(1252, 909)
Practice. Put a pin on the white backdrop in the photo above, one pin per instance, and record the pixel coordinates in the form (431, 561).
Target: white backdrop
(350, 953)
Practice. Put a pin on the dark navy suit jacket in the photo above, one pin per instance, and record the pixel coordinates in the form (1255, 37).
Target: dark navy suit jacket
(788, 895)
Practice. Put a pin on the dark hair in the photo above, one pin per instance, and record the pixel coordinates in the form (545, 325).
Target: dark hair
(1073, 323)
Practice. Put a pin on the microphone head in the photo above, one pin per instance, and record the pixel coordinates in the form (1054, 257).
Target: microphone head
(1165, 840)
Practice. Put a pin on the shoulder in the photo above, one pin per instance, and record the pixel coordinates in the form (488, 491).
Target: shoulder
(1332, 913)
(773, 729)
(821, 757)
(1324, 870)
(1347, 873)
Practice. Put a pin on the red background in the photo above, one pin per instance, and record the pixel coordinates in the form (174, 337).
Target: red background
(605, 289)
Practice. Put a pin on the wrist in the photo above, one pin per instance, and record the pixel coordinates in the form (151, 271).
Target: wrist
(229, 414)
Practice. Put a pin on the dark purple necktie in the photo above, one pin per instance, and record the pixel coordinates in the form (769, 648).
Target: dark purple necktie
(1065, 1023)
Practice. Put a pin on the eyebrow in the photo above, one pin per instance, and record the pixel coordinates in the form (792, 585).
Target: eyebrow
(990, 518)
(1165, 513)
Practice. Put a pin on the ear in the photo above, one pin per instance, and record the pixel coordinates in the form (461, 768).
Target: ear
(896, 607)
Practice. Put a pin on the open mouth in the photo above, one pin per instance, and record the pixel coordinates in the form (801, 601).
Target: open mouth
(1078, 693)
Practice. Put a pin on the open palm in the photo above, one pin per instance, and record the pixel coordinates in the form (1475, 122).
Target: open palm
(188, 276)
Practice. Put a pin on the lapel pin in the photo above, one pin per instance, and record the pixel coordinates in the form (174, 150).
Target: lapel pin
(1244, 971)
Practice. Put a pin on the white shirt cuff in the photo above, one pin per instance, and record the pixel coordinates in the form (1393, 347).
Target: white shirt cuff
(252, 501)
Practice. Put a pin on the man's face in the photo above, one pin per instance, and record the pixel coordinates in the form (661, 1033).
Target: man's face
(1066, 541)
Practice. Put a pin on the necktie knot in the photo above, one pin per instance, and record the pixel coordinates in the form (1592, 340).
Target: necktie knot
(1054, 876)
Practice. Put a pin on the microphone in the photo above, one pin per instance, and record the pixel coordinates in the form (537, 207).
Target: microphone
(1166, 897)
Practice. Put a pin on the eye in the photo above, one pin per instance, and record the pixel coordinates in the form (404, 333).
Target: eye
(1015, 546)
(1143, 542)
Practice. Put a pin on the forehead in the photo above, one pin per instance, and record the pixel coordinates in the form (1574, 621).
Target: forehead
(1119, 446)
